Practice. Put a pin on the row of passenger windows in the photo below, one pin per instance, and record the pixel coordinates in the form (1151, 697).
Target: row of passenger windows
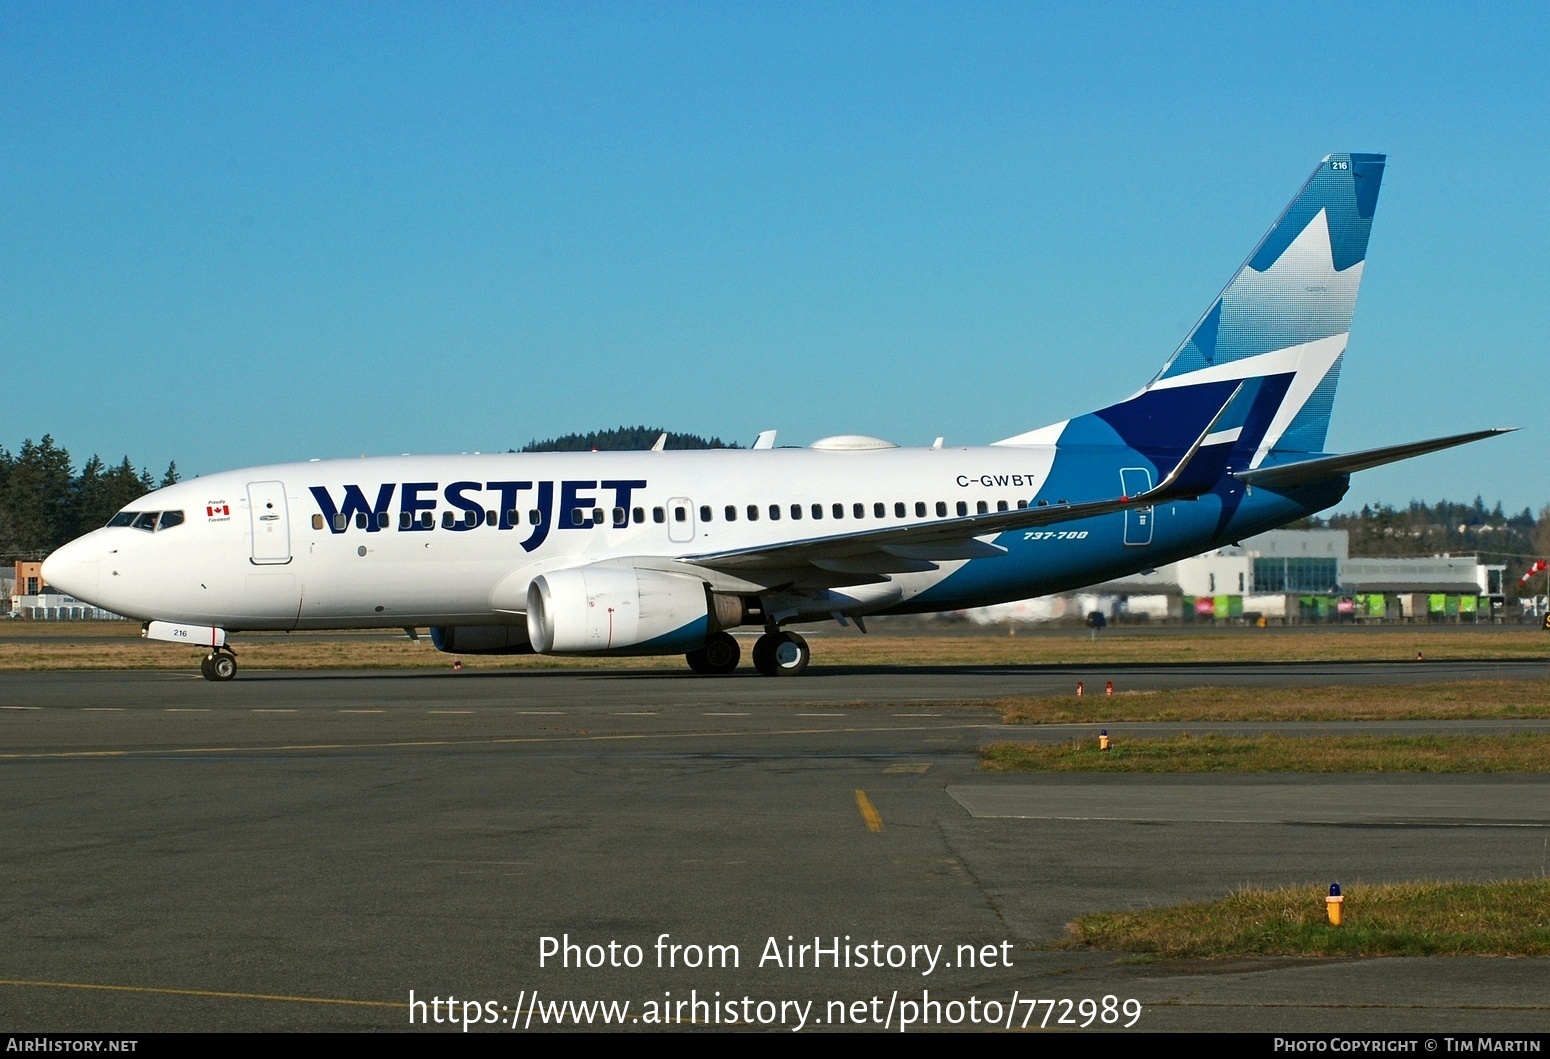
(150, 521)
(620, 517)
(838, 511)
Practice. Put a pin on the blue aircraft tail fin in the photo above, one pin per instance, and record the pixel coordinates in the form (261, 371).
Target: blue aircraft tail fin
(1277, 332)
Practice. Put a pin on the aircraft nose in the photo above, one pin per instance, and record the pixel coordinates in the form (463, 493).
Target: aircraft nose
(74, 569)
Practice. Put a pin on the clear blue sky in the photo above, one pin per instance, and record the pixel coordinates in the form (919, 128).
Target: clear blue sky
(245, 233)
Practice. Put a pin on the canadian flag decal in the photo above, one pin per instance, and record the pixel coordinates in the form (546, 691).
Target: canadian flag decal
(215, 510)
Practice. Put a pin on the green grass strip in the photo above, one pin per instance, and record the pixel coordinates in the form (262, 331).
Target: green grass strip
(1501, 699)
(1508, 918)
(1521, 752)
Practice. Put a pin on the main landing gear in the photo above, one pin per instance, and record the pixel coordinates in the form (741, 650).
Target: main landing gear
(719, 655)
(775, 654)
(219, 664)
(781, 654)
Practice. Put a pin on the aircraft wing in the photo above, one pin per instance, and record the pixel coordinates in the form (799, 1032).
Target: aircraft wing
(1321, 467)
(899, 549)
(918, 546)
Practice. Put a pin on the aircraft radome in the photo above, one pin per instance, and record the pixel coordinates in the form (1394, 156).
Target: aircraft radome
(655, 553)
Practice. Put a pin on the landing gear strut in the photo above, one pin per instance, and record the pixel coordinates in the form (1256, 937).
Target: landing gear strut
(219, 664)
(781, 654)
(719, 655)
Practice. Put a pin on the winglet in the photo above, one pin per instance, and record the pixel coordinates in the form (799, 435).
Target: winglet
(1176, 484)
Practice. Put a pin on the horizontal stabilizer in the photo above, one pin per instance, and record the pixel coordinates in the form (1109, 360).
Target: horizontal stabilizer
(1324, 467)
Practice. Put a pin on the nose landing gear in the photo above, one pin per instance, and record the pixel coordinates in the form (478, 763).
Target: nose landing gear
(219, 664)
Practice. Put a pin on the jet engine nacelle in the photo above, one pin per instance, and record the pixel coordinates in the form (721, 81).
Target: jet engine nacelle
(481, 639)
(617, 608)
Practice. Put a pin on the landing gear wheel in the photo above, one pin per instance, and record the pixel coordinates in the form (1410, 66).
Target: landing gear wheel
(719, 655)
(781, 654)
(218, 665)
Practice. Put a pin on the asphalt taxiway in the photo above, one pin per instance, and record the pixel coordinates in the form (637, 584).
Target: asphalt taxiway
(303, 850)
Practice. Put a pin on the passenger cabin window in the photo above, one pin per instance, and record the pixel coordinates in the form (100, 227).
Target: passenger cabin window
(898, 509)
(640, 515)
(878, 510)
(981, 508)
(405, 519)
(704, 513)
(920, 509)
(427, 520)
(963, 508)
(731, 512)
(1001, 505)
(941, 509)
(796, 512)
(839, 510)
(859, 510)
(534, 516)
(753, 512)
(621, 517)
(659, 515)
(317, 522)
(680, 514)
(818, 511)
(341, 521)
(597, 516)
(774, 512)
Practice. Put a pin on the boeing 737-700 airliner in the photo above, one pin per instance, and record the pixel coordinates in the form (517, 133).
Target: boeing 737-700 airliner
(662, 552)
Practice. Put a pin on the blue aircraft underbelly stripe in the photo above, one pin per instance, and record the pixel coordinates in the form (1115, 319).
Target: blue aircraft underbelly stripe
(1043, 566)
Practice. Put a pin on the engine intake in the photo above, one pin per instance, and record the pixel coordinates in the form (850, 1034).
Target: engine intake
(617, 609)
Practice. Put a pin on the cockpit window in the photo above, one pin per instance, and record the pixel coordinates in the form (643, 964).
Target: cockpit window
(150, 521)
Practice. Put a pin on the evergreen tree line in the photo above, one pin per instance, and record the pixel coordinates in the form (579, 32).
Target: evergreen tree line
(625, 439)
(1446, 527)
(44, 502)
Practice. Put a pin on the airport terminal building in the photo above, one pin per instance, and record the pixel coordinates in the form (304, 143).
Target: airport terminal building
(1288, 576)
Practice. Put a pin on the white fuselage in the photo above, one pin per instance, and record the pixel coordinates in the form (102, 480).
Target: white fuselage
(253, 554)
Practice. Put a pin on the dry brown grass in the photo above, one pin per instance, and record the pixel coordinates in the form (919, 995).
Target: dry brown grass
(115, 645)
(1398, 644)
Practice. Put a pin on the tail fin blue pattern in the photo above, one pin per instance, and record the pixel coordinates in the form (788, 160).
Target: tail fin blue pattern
(1282, 322)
